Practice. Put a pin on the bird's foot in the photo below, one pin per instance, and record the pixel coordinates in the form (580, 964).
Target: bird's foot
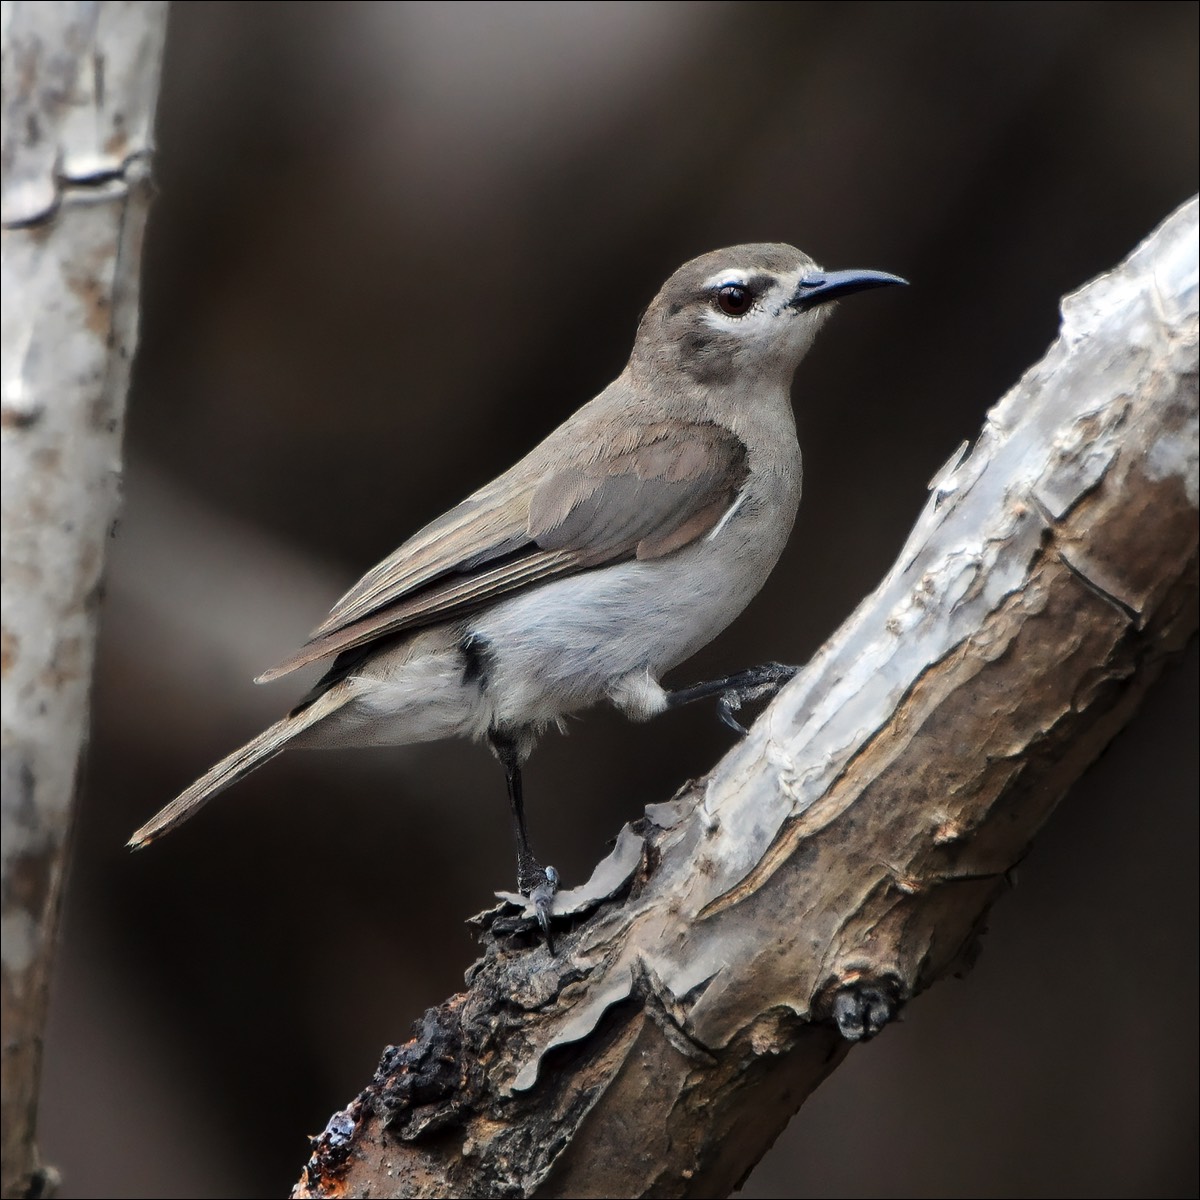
(541, 895)
(538, 886)
(757, 683)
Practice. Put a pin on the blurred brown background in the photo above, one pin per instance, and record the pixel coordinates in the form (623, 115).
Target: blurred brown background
(395, 245)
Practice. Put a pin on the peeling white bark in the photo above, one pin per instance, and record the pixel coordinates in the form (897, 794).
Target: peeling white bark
(841, 858)
(1125, 345)
(80, 81)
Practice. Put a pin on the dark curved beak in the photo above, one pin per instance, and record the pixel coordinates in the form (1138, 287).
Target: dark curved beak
(823, 286)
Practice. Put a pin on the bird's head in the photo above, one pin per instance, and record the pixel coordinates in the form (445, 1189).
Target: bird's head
(747, 311)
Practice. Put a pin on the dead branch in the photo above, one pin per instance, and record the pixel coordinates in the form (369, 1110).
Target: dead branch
(842, 858)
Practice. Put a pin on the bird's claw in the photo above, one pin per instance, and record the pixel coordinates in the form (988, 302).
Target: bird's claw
(538, 887)
(755, 684)
(727, 704)
(542, 898)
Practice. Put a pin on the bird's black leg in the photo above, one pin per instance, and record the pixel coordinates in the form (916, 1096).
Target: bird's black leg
(733, 691)
(533, 880)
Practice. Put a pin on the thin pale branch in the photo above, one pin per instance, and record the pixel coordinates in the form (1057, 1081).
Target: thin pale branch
(80, 85)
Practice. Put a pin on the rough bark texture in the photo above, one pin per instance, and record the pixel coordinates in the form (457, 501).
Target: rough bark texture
(843, 857)
(80, 82)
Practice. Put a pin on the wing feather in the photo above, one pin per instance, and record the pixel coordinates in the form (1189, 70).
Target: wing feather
(647, 490)
(485, 526)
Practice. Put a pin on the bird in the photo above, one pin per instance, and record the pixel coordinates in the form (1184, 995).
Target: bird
(621, 544)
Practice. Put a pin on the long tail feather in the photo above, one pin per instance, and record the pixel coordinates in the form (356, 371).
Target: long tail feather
(237, 765)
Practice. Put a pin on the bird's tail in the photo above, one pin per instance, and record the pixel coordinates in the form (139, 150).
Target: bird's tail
(237, 765)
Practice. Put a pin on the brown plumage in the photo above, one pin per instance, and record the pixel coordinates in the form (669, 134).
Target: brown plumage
(625, 541)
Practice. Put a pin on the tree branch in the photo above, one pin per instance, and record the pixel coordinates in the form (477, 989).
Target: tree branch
(842, 858)
(80, 83)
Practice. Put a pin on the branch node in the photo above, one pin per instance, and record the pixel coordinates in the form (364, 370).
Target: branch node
(862, 1007)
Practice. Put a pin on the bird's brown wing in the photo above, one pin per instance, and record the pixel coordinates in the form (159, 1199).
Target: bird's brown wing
(643, 491)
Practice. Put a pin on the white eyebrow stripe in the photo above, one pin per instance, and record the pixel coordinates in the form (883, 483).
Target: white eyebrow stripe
(726, 278)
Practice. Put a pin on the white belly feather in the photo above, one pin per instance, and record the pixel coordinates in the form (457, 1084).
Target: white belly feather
(563, 646)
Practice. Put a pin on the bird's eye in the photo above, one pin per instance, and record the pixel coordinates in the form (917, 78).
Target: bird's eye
(734, 300)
